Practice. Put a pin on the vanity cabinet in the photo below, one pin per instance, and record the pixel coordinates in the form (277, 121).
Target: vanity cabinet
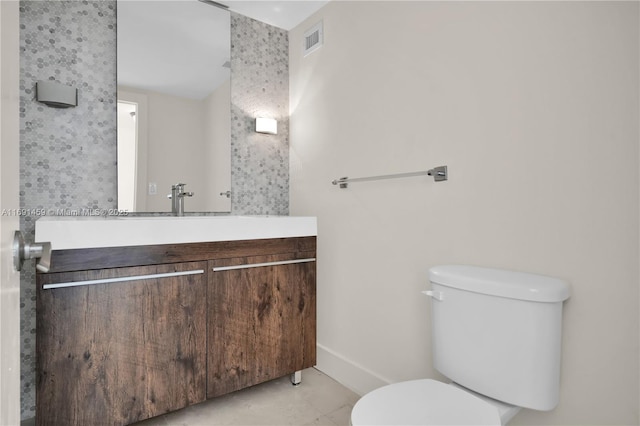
(128, 333)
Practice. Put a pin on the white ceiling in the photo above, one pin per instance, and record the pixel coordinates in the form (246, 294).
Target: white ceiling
(178, 47)
(282, 14)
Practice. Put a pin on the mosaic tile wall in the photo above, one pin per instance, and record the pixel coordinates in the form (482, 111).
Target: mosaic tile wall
(67, 156)
(259, 87)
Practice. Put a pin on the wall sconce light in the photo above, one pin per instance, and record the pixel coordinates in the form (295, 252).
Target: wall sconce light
(267, 125)
(56, 95)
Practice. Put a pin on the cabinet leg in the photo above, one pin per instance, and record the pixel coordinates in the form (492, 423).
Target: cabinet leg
(296, 378)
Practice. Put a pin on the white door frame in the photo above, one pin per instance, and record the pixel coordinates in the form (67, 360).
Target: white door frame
(9, 219)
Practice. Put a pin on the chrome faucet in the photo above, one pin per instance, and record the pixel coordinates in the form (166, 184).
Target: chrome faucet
(177, 198)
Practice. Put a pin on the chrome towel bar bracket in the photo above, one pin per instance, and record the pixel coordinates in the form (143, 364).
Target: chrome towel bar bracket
(439, 174)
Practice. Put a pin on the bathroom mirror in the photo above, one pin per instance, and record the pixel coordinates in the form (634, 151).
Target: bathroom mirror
(173, 104)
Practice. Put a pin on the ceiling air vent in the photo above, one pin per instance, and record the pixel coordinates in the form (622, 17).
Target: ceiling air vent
(313, 39)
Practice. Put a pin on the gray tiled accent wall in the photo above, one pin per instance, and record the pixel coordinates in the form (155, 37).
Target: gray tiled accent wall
(67, 156)
(259, 87)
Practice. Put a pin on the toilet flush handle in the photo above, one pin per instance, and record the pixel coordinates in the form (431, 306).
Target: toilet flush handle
(437, 295)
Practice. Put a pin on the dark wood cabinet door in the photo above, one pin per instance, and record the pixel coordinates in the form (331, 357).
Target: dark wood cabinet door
(116, 353)
(261, 320)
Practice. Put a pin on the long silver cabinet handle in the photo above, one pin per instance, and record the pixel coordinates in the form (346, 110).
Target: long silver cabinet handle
(122, 279)
(259, 265)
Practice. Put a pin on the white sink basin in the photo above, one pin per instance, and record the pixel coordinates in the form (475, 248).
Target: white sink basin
(65, 232)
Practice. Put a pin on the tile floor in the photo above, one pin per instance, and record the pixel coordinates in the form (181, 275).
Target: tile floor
(318, 400)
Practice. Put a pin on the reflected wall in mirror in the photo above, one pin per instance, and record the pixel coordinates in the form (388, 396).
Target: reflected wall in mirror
(174, 104)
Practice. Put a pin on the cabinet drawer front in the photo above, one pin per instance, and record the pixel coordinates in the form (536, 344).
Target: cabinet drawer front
(120, 257)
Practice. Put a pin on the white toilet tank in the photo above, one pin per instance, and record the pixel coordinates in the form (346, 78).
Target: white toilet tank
(499, 332)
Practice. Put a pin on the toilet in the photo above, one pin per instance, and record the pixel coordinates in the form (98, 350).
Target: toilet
(496, 335)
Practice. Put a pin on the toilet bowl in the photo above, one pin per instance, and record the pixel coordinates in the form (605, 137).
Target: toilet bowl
(429, 402)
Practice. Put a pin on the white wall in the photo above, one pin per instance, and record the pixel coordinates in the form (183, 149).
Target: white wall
(217, 149)
(534, 108)
(174, 150)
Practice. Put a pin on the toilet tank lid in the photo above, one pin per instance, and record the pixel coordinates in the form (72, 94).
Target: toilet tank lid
(497, 282)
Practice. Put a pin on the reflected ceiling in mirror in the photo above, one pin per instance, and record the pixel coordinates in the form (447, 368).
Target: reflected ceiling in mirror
(180, 48)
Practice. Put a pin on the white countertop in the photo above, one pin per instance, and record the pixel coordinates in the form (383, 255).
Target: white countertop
(65, 232)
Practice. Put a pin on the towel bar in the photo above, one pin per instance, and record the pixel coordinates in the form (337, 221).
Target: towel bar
(439, 174)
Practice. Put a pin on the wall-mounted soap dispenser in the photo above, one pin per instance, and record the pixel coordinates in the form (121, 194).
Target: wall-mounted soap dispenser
(56, 95)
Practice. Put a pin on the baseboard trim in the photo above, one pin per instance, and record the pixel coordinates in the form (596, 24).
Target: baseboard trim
(348, 373)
